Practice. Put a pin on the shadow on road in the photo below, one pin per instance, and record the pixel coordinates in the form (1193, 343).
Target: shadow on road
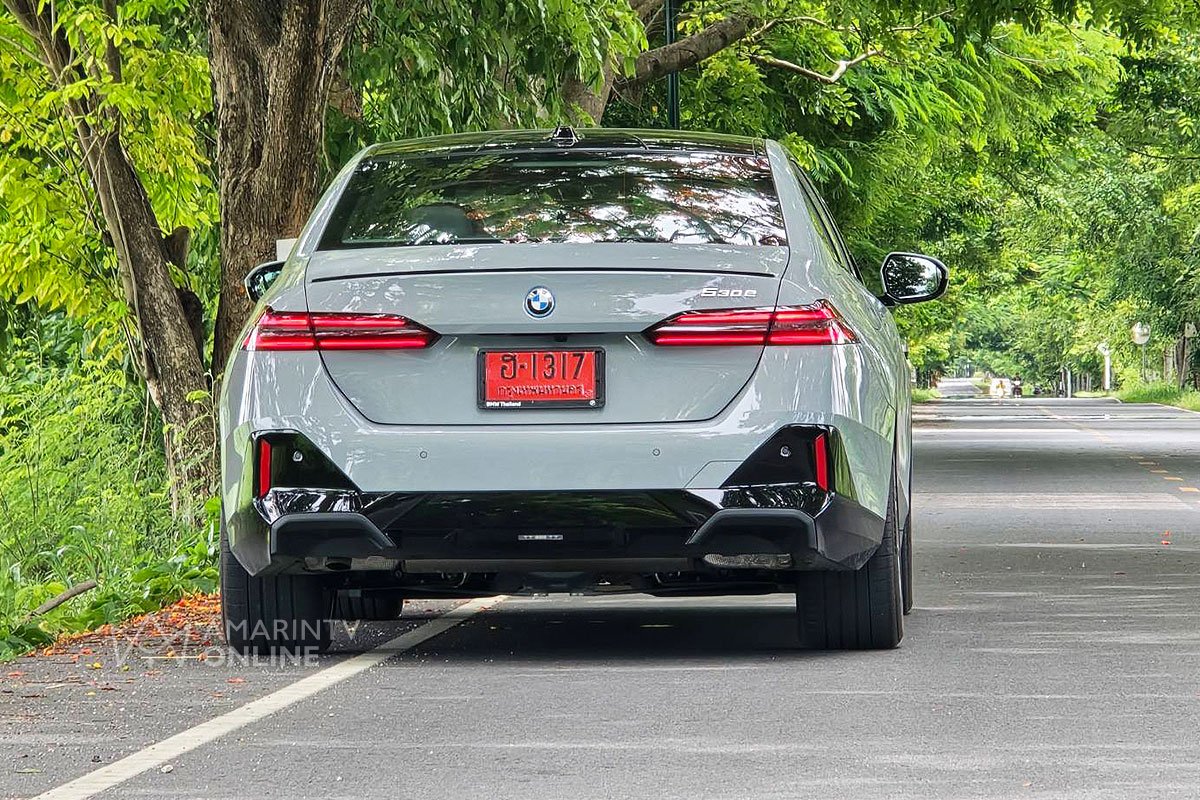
(521, 631)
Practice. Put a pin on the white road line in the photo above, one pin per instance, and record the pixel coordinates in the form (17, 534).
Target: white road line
(1002, 433)
(1045, 503)
(160, 753)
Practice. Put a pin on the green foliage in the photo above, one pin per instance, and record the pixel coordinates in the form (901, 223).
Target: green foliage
(83, 496)
(940, 143)
(1166, 394)
(432, 67)
(50, 228)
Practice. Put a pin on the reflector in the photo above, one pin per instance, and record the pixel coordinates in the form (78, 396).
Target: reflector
(264, 467)
(821, 462)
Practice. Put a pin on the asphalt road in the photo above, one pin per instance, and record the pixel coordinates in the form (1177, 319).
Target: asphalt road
(1054, 652)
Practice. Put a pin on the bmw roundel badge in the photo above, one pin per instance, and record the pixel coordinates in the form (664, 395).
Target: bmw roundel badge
(539, 302)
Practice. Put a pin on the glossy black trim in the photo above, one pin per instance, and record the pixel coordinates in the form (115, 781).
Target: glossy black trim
(818, 530)
(767, 466)
(331, 534)
(739, 524)
(540, 270)
(588, 138)
(297, 462)
(943, 281)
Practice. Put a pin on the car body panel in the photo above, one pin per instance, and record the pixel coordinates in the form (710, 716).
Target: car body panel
(720, 405)
(474, 298)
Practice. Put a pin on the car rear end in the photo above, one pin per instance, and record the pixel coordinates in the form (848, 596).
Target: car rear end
(531, 364)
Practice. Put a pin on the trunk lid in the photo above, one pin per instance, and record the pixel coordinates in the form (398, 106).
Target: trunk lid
(605, 296)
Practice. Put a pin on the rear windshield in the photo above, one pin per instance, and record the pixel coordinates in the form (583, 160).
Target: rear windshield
(558, 197)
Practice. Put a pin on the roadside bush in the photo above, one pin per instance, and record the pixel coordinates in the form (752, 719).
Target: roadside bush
(84, 495)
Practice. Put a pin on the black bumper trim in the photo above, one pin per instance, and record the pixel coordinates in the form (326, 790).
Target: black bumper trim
(338, 534)
(818, 530)
(733, 526)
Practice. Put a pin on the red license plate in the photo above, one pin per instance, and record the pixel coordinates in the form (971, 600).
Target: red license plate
(541, 379)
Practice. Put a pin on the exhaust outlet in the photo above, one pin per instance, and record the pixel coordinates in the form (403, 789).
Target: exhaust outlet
(750, 561)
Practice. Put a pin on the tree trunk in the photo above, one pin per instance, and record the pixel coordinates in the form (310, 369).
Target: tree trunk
(171, 362)
(272, 67)
(169, 358)
(585, 104)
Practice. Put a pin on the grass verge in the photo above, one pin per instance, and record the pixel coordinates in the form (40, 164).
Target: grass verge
(925, 395)
(84, 496)
(1165, 393)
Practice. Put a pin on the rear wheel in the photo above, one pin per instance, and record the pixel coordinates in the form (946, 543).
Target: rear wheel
(367, 608)
(859, 610)
(271, 613)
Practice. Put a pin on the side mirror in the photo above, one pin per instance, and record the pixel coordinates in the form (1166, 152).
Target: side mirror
(261, 278)
(912, 278)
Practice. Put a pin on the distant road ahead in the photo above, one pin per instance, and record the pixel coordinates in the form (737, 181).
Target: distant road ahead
(958, 387)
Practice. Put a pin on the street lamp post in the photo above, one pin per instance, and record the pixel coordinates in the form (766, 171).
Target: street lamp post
(671, 9)
(1189, 333)
(1141, 334)
(1107, 353)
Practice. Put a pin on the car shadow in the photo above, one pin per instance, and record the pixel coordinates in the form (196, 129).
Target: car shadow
(581, 633)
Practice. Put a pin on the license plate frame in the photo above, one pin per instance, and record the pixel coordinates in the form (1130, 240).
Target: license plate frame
(530, 404)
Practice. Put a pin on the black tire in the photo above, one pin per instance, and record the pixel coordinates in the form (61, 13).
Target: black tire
(859, 610)
(272, 613)
(906, 569)
(367, 608)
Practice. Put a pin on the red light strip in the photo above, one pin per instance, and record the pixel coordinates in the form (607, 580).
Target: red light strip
(397, 341)
(264, 467)
(748, 316)
(821, 461)
(292, 331)
(712, 339)
(816, 324)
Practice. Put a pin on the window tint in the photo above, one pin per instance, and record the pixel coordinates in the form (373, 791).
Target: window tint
(558, 197)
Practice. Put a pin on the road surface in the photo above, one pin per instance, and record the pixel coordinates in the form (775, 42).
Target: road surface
(1054, 653)
(958, 388)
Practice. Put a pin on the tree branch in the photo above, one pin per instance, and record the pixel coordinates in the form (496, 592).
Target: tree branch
(1142, 152)
(40, 26)
(343, 97)
(691, 50)
(23, 50)
(831, 78)
(916, 26)
(774, 23)
(55, 602)
(645, 9)
(771, 24)
(112, 55)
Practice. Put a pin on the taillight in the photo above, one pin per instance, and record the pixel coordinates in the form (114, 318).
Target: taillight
(814, 324)
(299, 330)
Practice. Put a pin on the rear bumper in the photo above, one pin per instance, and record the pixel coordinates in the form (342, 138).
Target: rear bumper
(794, 527)
(291, 392)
